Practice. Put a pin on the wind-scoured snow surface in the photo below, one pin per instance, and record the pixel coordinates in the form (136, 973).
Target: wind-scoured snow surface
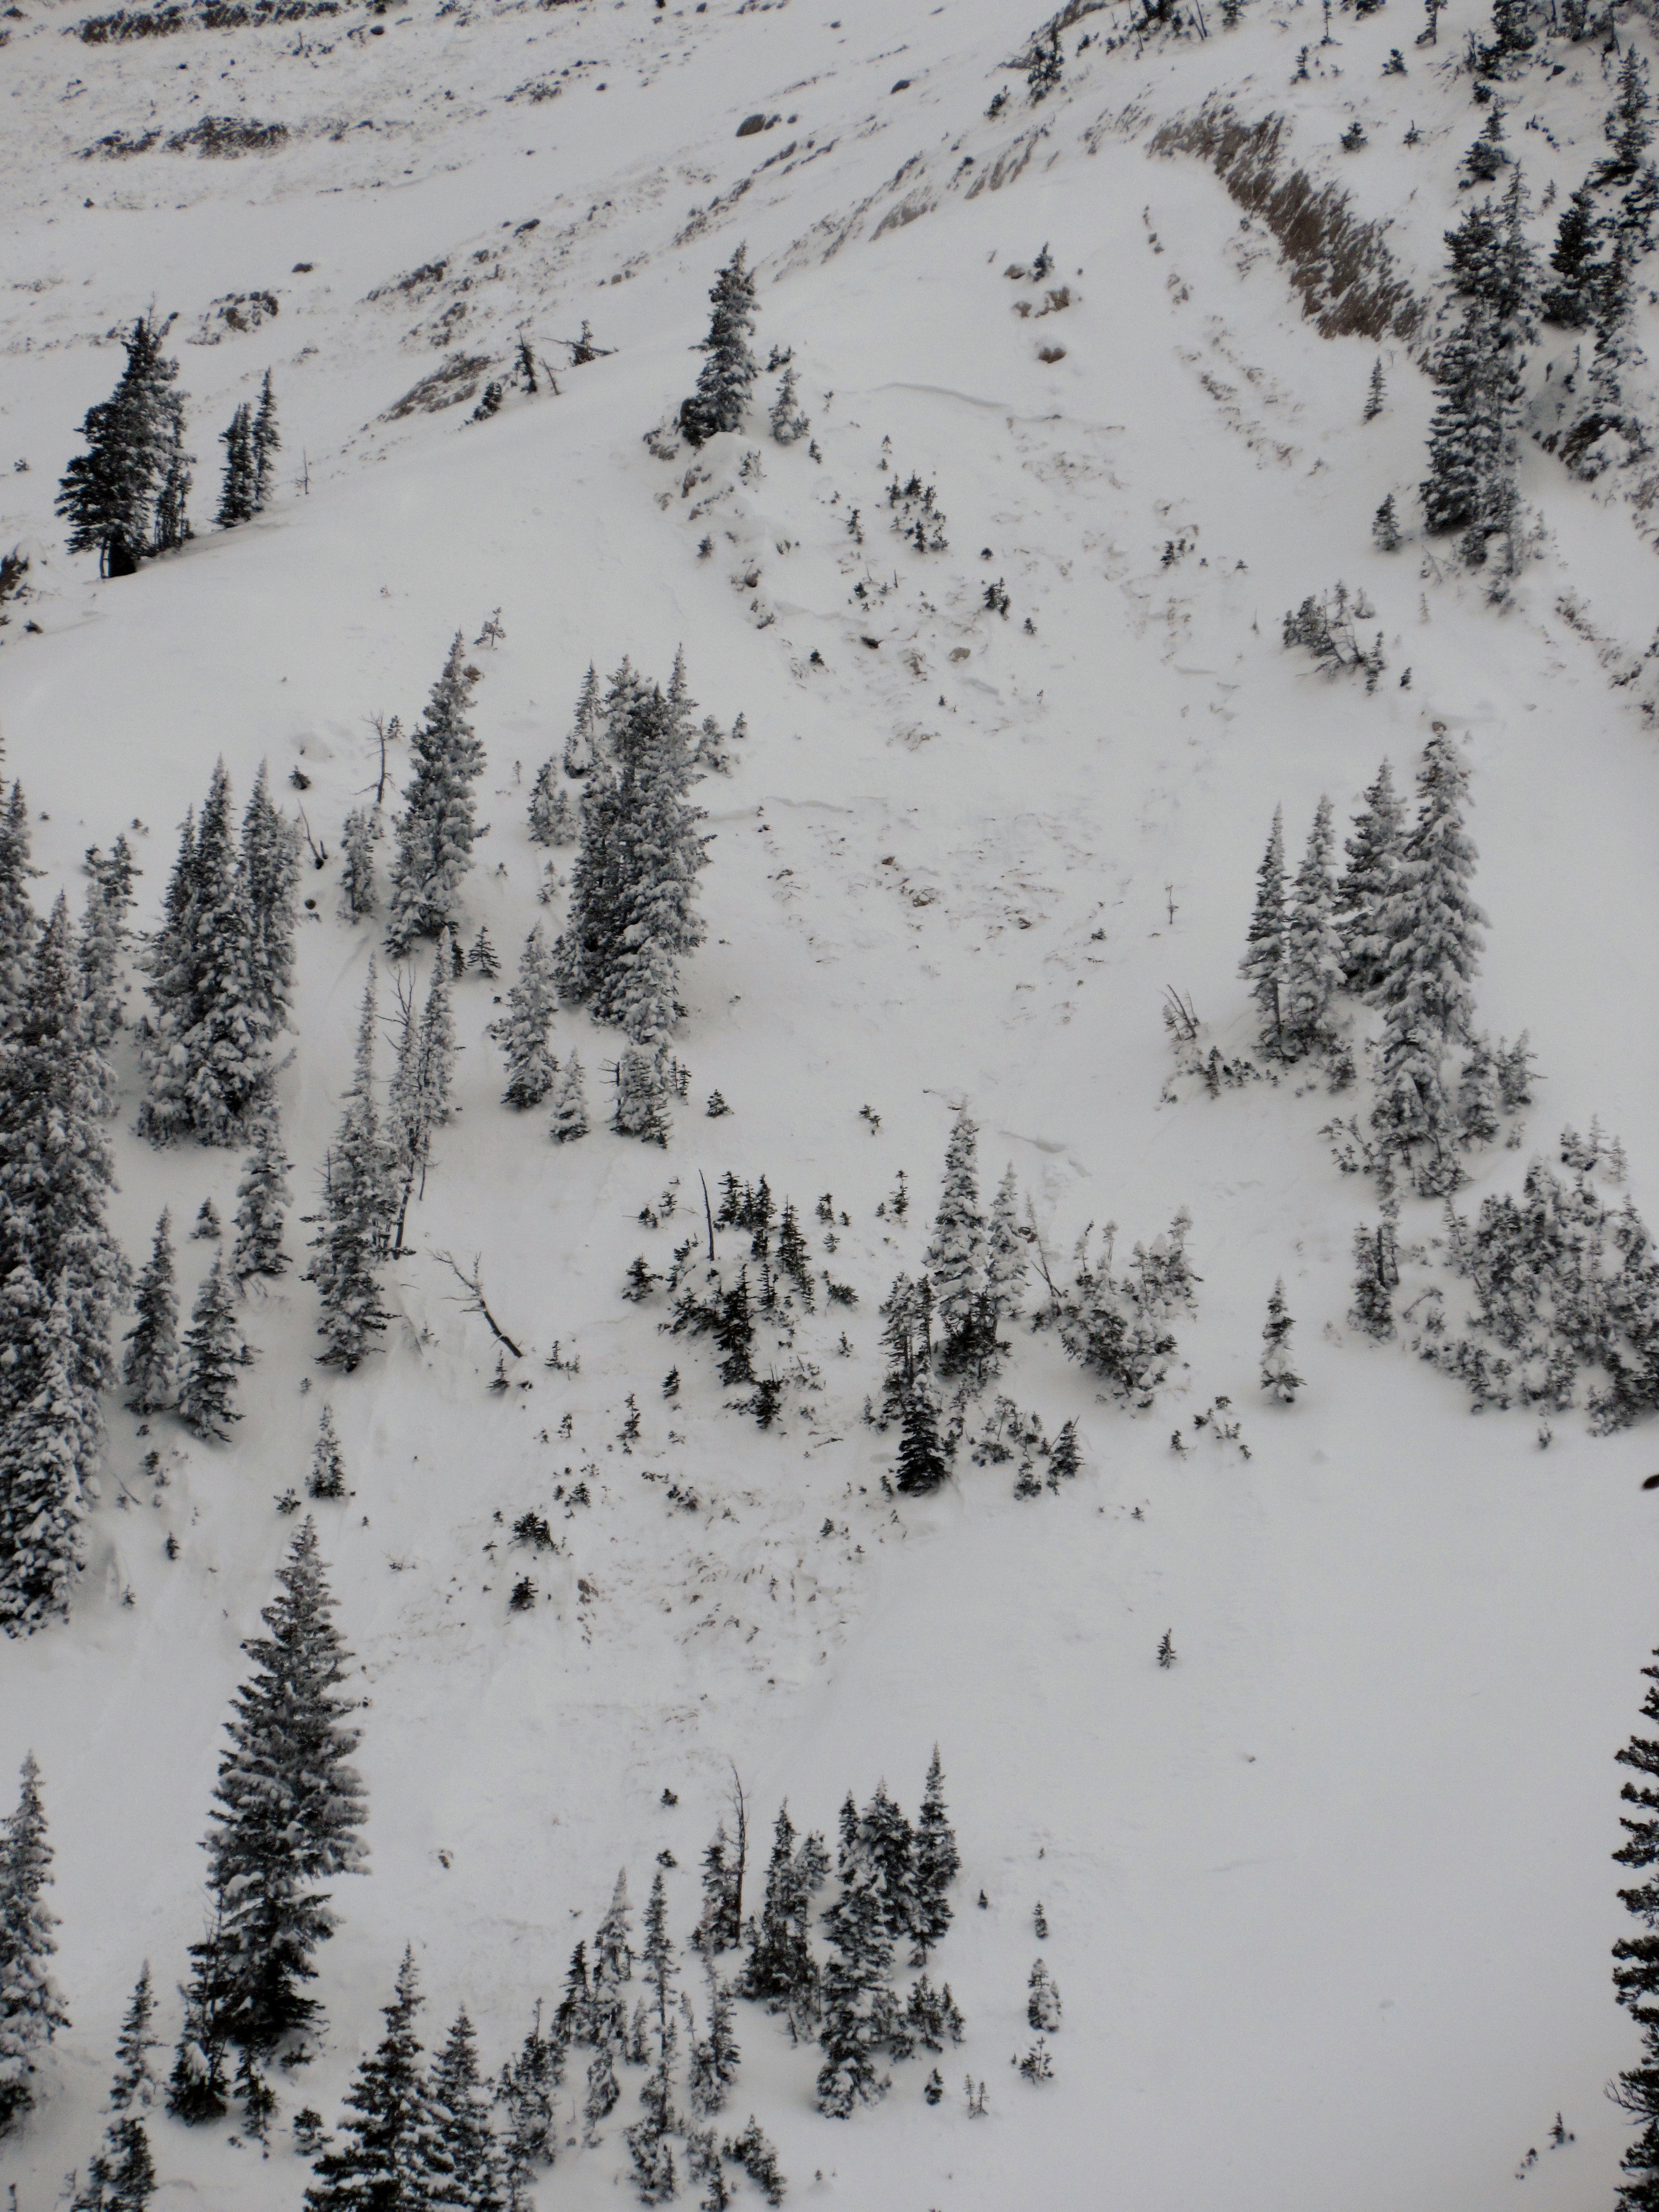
(1331, 1899)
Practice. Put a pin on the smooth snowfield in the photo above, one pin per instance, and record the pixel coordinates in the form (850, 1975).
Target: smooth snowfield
(1331, 1899)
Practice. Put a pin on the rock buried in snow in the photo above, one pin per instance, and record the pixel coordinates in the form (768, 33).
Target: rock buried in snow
(751, 125)
(1652, 1482)
(903, 85)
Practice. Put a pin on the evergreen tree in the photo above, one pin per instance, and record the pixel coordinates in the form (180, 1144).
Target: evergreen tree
(1474, 439)
(196, 2090)
(1636, 1974)
(613, 1967)
(759, 2161)
(361, 832)
(435, 830)
(121, 2177)
(1004, 1253)
(102, 942)
(470, 2162)
(150, 1368)
(956, 1256)
(213, 1351)
(1314, 964)
(603, 2091)
(55, 1174)
(887, 1844)
(570, 1102)
(854, 1980)
(32, 2007)
(19, 927)
(1373, 854)
(262, 1198)
(1429, 931)
(391, 2158)
(1066, 1458)
(1377, 1275)
(171, 526)
(1263, 964)
(270, 878)
(286, 1808)
(1376, 394)
(922, 1465)
(780, 1971)
(1042, 2000)
(108, 494)
(580, 745)
(266, 443)
(353, 1230)
(1385, 527)
(239, 495)
(327, 1462)
(211, 1057)
(938, 1863)
(48, 1444)
(788, 423)
(1277, 1375)
(653, 2161)
(1568, 300)
(730, 369)
(522, 1032)
(526, 2093)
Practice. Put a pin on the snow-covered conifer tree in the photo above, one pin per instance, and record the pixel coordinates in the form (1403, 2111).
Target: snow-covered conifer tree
(1429, 932)
(581, 742)
(937, 1864)
(32, 2009)
(1373, 852)
(1636, 1973)
(150, 1368)
(327, 1462)
(211, 1056)
(956, 1256)
(1278, 1376)
(108, 494)
(213, 1351)
(56, 1172)
(361, 832)
(730, 369)
(102, 942)
(434, 831)
(48, 1444)
(262, 1198)
(265, 442)
(391, 2154)
(922, 1465)
(238, 495)
(286, 1810)
(270, 878)
(1004, 1252)
(1313, 944)
(354, 1228)
(1263, 964)
(787, 421)
(469, 2159)
(522, 1032)
(19, 927)
(855, 1981)
(570, 1102)
(780, 1971)
(525, 2092)
(121, 2177)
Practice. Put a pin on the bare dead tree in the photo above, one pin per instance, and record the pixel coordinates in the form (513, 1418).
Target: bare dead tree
(319, 852)
(1042, 1257)
(387, 731)
(474, 1301)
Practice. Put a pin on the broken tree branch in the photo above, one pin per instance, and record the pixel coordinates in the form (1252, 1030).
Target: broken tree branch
(474, 1301)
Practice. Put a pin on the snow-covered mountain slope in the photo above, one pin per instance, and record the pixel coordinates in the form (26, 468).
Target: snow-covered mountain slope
(1331, 1899)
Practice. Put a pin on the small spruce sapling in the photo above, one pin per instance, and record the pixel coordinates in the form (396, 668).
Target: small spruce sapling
(1042, 2000)
(1278, 1376)
(1385, 527)
(327, 1463)
(1376, 394)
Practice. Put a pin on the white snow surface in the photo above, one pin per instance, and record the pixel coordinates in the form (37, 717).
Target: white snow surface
(1331, 1899)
